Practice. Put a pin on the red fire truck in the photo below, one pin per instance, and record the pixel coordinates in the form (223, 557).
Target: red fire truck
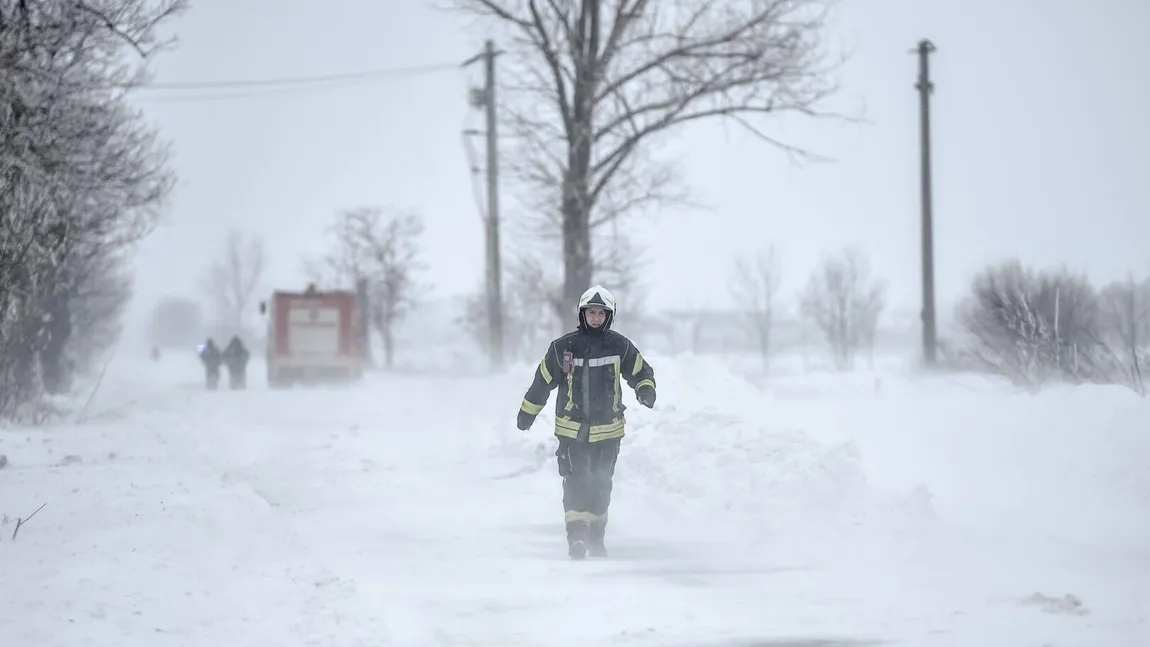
(313, 336)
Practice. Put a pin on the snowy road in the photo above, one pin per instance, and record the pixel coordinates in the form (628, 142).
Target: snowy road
(411, 512)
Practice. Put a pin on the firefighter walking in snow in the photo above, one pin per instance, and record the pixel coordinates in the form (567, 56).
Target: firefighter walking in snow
(587, 367)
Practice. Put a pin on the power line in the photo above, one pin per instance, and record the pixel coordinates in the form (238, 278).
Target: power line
(304, 80)
(257, 88)
(197, 97)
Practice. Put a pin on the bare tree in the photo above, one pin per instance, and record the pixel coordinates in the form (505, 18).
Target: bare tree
(754, 286)
(845, 303)
(383, 250)
(81, 178)
(232, 280)
(595, 84)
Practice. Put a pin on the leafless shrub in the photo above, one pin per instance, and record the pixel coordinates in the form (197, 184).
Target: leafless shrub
(845, 303)
(1033, 327)
(1125, 312)
(755, 286)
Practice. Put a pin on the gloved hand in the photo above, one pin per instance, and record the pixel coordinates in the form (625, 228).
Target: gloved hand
(524, 421)
(646, 397)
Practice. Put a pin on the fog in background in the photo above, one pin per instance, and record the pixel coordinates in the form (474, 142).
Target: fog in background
(1040, 149)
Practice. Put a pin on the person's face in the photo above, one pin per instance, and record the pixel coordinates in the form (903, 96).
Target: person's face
(596, 316)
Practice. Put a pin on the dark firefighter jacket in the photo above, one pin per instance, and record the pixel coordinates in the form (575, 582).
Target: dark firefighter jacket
(587, 368)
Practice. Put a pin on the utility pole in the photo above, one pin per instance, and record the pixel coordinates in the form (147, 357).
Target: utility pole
(485, 98)
(363, 298)
(929, 321)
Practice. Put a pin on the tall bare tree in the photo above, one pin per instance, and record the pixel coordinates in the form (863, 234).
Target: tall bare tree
(754, 285)
(232, 280)
(383, 249)
(595, 83)
(845, 303)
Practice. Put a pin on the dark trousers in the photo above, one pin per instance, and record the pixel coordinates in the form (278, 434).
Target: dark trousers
(212, 374)
(237, 374)
(587, 470)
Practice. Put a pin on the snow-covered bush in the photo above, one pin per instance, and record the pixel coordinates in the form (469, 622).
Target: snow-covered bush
(1038, 326)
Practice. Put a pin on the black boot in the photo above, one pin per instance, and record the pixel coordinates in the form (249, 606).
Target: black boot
(577, 532)
(595, 545)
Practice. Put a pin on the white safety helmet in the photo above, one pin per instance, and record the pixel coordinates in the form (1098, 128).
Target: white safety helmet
(601, 297)
(598, 296)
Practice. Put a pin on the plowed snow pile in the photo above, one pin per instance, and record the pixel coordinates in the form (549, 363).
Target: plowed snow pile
(712, 464)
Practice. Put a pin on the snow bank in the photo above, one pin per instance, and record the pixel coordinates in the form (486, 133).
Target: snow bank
(714, 454)
(711, 464)
(1067, 462)
(870, 462)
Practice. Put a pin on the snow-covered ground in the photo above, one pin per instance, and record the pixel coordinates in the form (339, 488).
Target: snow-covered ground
(806, 510)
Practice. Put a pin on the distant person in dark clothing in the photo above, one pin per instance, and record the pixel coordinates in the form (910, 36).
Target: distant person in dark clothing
(210, 356)
(236, 358)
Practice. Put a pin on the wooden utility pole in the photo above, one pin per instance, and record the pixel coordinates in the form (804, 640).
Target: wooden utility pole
(363, 298)
(929, 321)
(485, 98)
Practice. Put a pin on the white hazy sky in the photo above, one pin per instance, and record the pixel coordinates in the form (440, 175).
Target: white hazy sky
(1040, 132)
